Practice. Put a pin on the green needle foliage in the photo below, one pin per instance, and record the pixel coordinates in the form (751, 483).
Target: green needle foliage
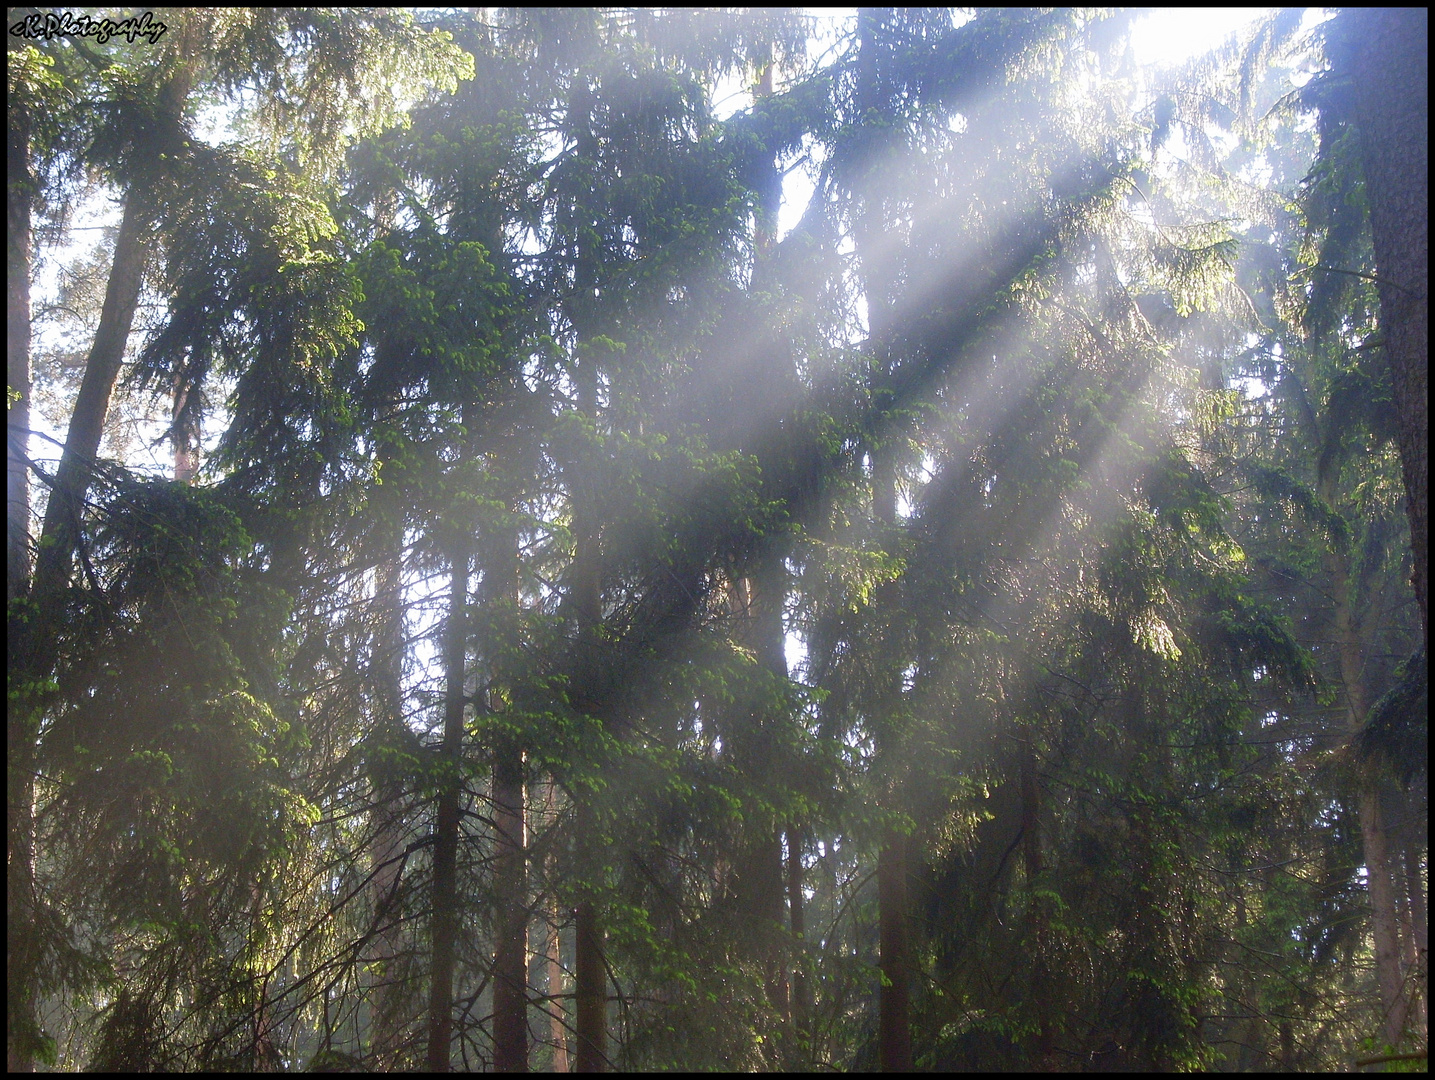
(606, 616)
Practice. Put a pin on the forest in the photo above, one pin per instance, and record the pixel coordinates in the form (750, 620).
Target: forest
(727, 539)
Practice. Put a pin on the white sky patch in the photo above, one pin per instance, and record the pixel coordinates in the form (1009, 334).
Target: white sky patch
(1171, 36)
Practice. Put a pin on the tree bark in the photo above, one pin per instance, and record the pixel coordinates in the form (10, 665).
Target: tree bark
(590, 976)
(1414, 840)
(19, 198)
(510, 976)
(894, 1029)
(33, 634)
(19, 787)
(1381, 888)
(1391, 77)
(1032, 863)
(386, 847)
(591, 992)
(557, 1030)
(185, 435)
(446, 825)
(586, 596)
(1379, 884)
(798, 922)
(894, 1026)
(510, 962)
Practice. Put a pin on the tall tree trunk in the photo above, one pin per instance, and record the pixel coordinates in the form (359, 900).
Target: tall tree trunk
(755, 604)
(557, 1025)
(387, 845)
(1381, 889)
(446, 824)
(798, 922)
(1413, 841)
(19, 198)
(894, 1024)
(894, 1029)
(590, 989)
(586, 596)
(590, 975)
(32, 635)
(185, 433)
(510, 963)
(1391, 79)
(60, 532)
(19, 786)
(1379, 884)
(1032, 863)
(764, 593)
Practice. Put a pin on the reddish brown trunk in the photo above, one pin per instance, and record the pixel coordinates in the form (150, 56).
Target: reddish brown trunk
(592, 1026)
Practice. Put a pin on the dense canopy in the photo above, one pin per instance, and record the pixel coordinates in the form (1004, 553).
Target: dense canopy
(722, 539)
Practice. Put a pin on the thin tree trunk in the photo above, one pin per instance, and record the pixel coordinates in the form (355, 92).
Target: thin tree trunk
(1391, 80)
(60, 532)
(894, 1024)
(1031, 858)
(894, 1029)
(386, 847)
(20, 781)
(1411, 845)
(446, 825)
(798, 922)
(510, 788)
(20, 786)
(34, 633)
(586, 595)
(20, 193)
(590, 990)
(510, 976)
(557, 1030)
(590, 976)
(758, 601)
